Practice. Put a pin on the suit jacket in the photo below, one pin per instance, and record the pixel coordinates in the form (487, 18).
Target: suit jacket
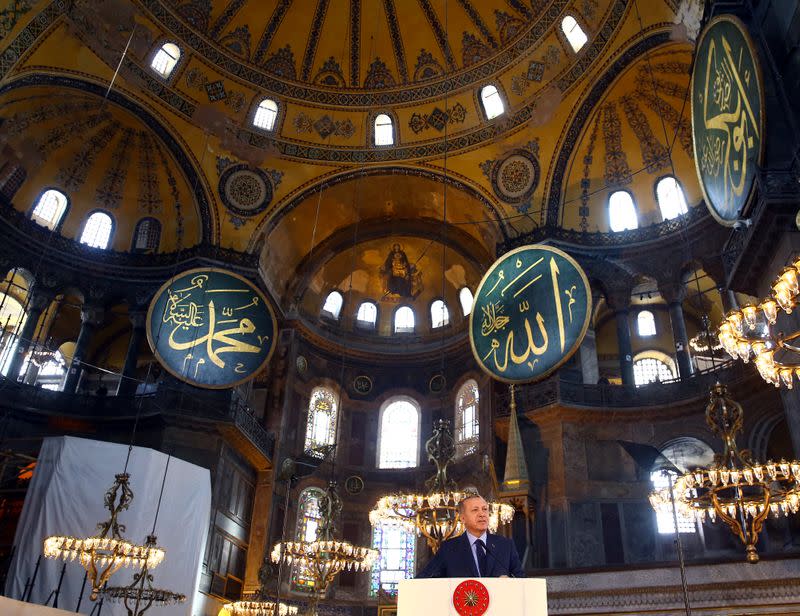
(454, 559)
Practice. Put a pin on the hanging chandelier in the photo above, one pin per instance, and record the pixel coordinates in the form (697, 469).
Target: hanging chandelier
(434, 514)
(748, 331)
(325, 557)
(105, 553)
(736, 489)
(260, 608)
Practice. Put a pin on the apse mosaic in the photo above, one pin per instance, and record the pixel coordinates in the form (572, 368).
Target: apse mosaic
(401, 278)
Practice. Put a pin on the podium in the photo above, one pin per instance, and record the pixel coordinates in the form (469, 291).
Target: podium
(506, 596)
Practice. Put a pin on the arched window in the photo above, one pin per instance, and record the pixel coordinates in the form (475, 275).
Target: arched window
(492, 102)
(440, 316)
(165, 59)
(384, 130)
(49, 371)
(651, 370)
(398, 436)
(645, 324)
(403, 320)
(622, 211)
(466, 299)
(397, 547)
(333, 305)
(664, 514)
(575, 35)
(147, 235)
(309, 517)
(321, 427)
(97, 230)
(367, 315)
(467, 422)
(670, 198)
(49, 209)
(12, 319)
(266, 114)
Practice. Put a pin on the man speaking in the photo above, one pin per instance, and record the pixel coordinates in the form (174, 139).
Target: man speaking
(476, 553)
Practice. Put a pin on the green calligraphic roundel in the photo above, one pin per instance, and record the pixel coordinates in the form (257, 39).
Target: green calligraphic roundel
(530, 314)
(211, 328)
(727, 117)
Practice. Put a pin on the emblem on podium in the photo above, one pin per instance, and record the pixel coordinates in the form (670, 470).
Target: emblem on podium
(471, 598)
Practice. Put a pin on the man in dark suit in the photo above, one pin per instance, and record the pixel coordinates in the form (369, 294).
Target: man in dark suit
(476, 553)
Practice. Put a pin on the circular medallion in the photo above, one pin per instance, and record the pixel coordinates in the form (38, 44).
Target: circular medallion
(727, 117)
(354, 484)
(471, 598)
(301, 363)
(245, 190)
(530, 314)
(211, 328)
(362, 384)
(437, 383)
(516, 177)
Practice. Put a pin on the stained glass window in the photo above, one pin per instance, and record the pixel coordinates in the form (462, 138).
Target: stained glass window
(575, 35)
(440, 316)
(97, 230)
(266, 114)
(308, 521)
(466, 299)
(467, 422)
(49, 209)
(398, 555)
(398, 439)
(651, 370)
(321, 428)
(165, 59)
(492, 102)
(670, 198)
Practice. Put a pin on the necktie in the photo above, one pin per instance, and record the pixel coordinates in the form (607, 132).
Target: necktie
(481, 547)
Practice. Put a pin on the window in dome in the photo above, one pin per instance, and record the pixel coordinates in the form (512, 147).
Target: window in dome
(492, 102)
(309, 518)
(97, 230)
(398, 436)
(333, 305)
(321, 426)
(266, 114)
(403, 320)
(440, 316)
(466, 299)
(670, 198)
(397, 547)
(651, 370)
(646, 324)
(50, 209)
(467, 422)
(367, 315)
(147, 235)
(575, 35)
(622, 211)
(664, 514)
(165, 59)
(384, 130)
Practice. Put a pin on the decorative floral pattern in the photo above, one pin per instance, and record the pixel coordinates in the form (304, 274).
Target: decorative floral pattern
(438, 119)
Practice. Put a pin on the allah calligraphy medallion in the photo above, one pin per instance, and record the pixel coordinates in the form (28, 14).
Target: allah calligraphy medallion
(530, 314)
(727, 117)
(211, 328)
(471, 598)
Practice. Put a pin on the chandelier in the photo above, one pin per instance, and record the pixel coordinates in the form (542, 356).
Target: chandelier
(105, 553)
(325, 557)
(434, 514)
(259, 603)
(139, 595)
(736, 489)
(747, 331)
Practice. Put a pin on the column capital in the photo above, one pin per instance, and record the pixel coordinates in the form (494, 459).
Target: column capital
(673, 291)
(619, 299)
(92, 315)
(39, 298)
(138, 318)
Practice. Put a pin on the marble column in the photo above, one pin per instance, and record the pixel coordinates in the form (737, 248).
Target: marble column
(39, 301)
(127, 383)
(590, 368)
(91, 317)
(620, 302)
(728, 299)
(674, 292)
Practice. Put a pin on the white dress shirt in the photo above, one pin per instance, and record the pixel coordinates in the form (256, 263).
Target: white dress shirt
(474, 548)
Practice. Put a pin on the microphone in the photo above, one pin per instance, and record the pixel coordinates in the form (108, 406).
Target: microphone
(494, 558)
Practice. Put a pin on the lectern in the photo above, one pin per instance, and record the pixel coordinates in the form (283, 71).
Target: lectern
(472, 597)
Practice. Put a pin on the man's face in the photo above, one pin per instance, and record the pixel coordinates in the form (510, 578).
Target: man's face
(475, 515)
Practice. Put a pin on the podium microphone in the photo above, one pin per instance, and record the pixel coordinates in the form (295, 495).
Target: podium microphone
(494, 558)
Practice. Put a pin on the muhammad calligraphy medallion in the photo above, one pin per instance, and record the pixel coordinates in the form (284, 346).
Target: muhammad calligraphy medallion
(211, 328)
(471, 598)
(727, 117)
(530, 314)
